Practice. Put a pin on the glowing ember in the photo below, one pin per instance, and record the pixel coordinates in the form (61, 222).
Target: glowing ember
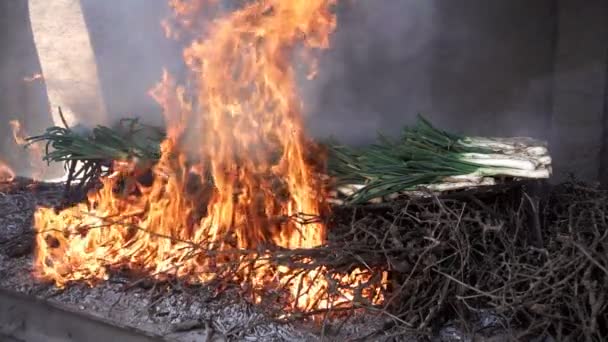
(6, 173)
(234, 171)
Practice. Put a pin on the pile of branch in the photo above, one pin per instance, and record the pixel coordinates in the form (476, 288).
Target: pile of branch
(541, 267)
(457, 258)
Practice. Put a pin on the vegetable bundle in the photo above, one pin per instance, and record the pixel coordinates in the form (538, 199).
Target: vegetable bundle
(427, 156)
(130, 139)
(423, 157)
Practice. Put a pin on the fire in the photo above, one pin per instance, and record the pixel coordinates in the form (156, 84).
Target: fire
(236, 172)
(34, 150)
(6, 173)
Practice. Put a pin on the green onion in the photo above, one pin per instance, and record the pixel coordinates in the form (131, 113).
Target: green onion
(425, 155)
(126, 141)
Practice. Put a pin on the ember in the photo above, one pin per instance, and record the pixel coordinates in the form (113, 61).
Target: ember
(237, 135)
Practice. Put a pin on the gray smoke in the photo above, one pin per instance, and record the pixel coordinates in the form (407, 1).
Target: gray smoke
(19, 100)
(376, 58)
(473, 66)
(131, 51)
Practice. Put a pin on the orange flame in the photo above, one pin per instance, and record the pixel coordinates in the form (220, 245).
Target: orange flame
(6, 173)
(235, 168)
(35, 150)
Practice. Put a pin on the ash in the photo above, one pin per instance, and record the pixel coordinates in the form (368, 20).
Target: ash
(178, 312)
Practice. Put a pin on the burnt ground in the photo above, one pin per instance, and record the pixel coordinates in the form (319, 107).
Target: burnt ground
(182, 313)
(510, 264)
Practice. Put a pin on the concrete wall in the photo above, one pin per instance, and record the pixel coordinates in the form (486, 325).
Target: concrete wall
(579, 105)
(131, 51)
(483, 67)
(19, 99)
(476, 66)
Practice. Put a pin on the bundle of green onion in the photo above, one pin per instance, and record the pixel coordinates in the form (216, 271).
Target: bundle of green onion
(427, 156)
(423, 156)
(130, 139)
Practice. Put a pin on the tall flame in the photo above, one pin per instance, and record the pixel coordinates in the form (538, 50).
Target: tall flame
(236, 166)
(247, 88)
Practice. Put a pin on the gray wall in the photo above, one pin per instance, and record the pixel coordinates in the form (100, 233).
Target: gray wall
(476, 66)
(483, 67)
(580, 88)
(131, 51)
(21, 100)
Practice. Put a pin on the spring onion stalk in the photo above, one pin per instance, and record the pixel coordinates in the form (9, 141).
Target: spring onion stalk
(500, 160)
(493, 145)
(441, 187)
(544, 160)
(470, 178)
(537, 151)
(515, 173)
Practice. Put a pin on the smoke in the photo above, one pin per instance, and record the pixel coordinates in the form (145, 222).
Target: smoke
(131, 51)
(375, 63)
(464, 67)
(20, 99)
(476, 67)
